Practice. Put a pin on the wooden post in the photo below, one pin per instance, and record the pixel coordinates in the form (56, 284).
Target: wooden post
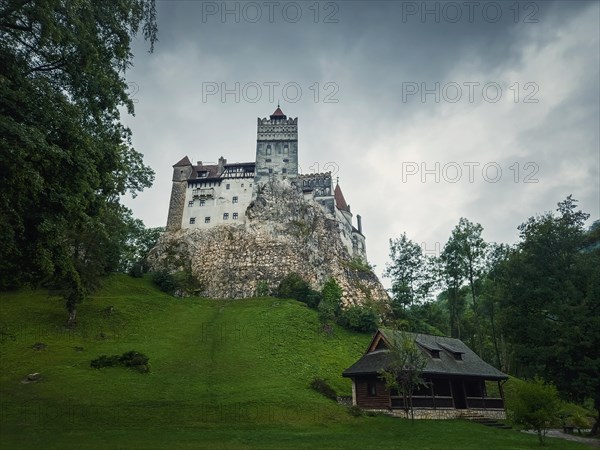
(452, 393)
(433, 395)
(464, 392)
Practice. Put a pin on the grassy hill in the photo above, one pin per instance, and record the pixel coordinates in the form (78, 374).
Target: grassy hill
(224, 374)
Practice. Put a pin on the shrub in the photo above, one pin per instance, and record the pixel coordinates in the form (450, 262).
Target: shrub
(293, 286)
(359, 318)
(137, 269)
(165, 281)
(323, 388)
(132, 359)
(262, 289)
(536, 406)
(330, 305)
(355, 411)
(105, 361)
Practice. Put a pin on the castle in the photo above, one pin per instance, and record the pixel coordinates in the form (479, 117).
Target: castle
(204, 196)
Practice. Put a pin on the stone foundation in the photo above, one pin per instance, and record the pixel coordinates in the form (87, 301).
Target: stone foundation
(450, 413)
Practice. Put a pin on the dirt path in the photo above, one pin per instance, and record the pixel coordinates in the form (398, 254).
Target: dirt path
(556, 433)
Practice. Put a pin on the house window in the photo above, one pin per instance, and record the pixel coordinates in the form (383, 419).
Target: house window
(207, 220)
(235, 216)
(371, 389)
(458, 356)
(235, 200)
(192, 220)
(202, 202)
(435, 354)
(225, 216)
(191, 203)
(227, 186)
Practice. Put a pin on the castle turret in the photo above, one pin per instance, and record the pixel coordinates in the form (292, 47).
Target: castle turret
(182, 171)
(276, 147)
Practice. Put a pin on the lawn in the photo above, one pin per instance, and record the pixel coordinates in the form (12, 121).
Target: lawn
(224, 374)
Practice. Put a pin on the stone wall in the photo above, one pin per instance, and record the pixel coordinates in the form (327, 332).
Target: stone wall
(283, 233)
(176, 205)
(442, 414)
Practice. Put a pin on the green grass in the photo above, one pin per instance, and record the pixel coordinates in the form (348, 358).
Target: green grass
(224, 374)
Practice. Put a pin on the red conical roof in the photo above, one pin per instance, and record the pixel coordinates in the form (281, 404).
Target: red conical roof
(340, 201)
(184, 162)
(278, 113)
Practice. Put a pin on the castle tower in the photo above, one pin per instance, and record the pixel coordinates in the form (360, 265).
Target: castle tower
(182, 171)
(276, 148)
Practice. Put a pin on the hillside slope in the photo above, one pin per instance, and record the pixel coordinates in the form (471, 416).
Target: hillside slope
(224, 374)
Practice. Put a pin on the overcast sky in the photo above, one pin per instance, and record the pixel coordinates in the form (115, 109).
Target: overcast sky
(427, 112)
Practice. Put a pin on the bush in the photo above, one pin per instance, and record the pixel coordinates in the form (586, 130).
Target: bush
(536, 406)
(330, 305)
(323, 388)
(355, 411)
(105, 361)
(165, 281)
(359, 318)
(293, 286)
(262, 289)
(132, 359)
(137, 269)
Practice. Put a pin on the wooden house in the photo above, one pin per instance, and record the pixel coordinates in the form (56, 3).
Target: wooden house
(457, 381)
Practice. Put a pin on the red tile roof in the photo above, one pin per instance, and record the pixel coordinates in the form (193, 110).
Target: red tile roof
(278, 113)
(340, 201)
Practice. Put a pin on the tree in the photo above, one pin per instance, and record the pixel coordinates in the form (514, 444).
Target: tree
(550, 303)
(140, 240)
(65, 157)
(536, 406)
(404, 370)
(463, 259)
(331, 297)
(409, 271)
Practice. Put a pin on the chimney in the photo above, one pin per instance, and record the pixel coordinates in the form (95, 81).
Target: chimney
(359, 223)
(200, 163)
(222, 162)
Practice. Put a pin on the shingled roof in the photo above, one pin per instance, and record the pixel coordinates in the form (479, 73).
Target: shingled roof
(376, 360)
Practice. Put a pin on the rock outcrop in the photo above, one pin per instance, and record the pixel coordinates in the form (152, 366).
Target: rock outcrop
(283, 233)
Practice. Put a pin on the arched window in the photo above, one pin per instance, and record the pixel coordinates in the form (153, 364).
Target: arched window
(268, 151)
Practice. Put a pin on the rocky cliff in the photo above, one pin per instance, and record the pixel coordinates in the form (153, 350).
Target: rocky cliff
(283, 233)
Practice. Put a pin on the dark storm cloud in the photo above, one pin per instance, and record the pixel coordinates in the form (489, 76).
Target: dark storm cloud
(369, 54)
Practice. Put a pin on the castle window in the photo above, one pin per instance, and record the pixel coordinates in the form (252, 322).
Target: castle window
(286, 160)
(268, 152)
(207, 220)
(202, 202)
(227, 186)
(268, 160)
(192, 220)
(234, 200)
(191, 203)
(235, 216)
(242, 184)
(284, 170)
(270, 170)
(286, 149)
(225, 216)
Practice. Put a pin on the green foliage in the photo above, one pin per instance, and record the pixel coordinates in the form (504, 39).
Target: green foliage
(330, 305)
(164, 281)
(225, 374)
(412, 281)
(294, 286)
(137, 247)
(359, 264)
(404, 372)
(262, 289)
(131, 359)
(65, 156)
(323, 388)
(536, 406)
(359, 318)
